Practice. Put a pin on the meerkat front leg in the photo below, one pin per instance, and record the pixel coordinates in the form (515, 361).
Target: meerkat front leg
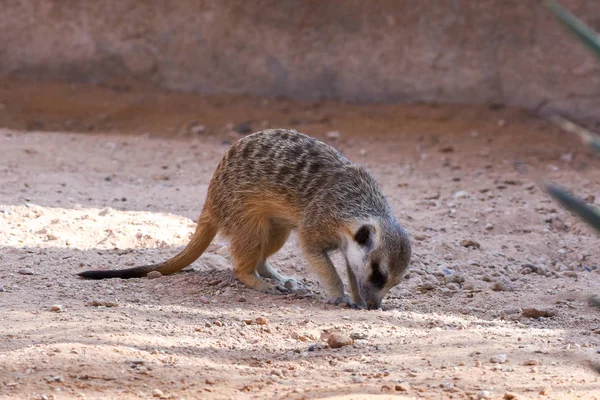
(328, 276)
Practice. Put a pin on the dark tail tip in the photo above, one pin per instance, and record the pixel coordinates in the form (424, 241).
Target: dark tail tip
(116, 273)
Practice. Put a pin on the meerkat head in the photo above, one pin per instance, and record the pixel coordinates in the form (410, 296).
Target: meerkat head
(377, 255)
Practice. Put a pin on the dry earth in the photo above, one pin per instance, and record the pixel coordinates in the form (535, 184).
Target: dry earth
(460, 326)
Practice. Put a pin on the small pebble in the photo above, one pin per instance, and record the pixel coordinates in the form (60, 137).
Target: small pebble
(484, 394)
(510, 310)
(337, 340)
(510, 396)
(154, 275)
(503, 285)
(103, 303)
(26, 271)
(157, 393)
(454, 278)
(498, 359)
(532, 361)
(470, 243)
(545, 391)
(244, 127)
(453, 286)
(197, 129)
(56, 308)
(333, 135)
(358, 379)
(537, 312)
(1, 288)
(489, 227)
(261, 321)
(402, 387)
(461, 194)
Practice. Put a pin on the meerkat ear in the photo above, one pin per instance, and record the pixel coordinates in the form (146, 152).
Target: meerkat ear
(364, 235)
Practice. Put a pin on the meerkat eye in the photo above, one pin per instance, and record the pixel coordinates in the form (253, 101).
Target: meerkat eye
(363, 235)
(377, 278)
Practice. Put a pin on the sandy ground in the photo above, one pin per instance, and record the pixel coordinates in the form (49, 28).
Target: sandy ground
(462, 325)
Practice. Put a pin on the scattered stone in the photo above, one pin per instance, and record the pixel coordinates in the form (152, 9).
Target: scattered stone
(290, 284)
(526, 271)
(420, 237)
(157, 393)
(57, 308)
(105, 211)
(470, 243)
(446, 148)
(333, 135)
(402, 387)
(461, 194)
(503, 285)
(528, 186)
(154, 275)
(243, 127)
(484, 394)
(453, 286)
(537, 312)
(261, 321)
(426, 286)
(454, 278)
(510, 396)
(511, 310)
(204, 299)
(545, 391)
(498, 359)
(27, 271)
(197, 129)
(531, 362)
(102, 303)
(337, 340)
(1, 288)
(209, 381)
(358, 379)
(242, 299)
(218, 323)
(432, 196)
(137, 361)
(489, 226)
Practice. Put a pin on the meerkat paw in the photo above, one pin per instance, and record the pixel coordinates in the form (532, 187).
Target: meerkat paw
(276, 290)
(343, 300)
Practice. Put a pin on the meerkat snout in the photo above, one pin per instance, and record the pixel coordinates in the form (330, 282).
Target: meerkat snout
(377, 256)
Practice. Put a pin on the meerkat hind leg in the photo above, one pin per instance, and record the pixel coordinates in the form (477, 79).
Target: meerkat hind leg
(247, 259)
(278, 235)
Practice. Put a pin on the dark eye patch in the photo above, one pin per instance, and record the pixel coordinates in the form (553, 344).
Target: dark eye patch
(362, 235)
(377, 278)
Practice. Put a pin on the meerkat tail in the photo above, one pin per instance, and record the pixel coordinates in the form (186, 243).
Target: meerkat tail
(205, 232)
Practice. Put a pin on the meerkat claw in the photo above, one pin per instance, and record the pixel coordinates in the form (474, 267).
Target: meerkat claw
(343, 300)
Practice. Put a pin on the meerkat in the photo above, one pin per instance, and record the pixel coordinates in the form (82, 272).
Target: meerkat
(271, 182)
